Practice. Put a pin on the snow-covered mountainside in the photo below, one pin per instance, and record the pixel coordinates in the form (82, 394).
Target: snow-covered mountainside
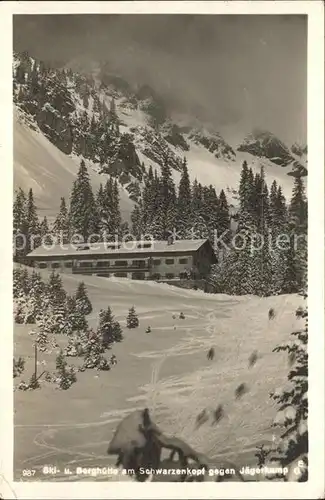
(40, 165)
(62, 116)
(264, 144)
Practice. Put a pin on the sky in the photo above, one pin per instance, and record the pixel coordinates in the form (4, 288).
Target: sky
(240, 71)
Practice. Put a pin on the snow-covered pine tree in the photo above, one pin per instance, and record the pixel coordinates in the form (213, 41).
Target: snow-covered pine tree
(298, 205)
(211, 210)
(45, 327)
(292, 401)
(298, 219)
(109, 330)
(32, 222)
(75, 318)
(46, 236)
(241, 265)
(61, 224)
(34, 300)
(20, 226)
(82, 205)
(183, 223)
(117, 332)
(136, 219)
(55, 291)
(18, 366)
(132, 320)
(116, 213)
(199, 227)
(157, 225)
(60, 361)
(18, 284)
(94, 352)
(147, 201)
(24, 281)
(223, 224)
(56, 301)
(167, 200)
(105, 327)
(244, 187)
(82, 300)
(290, 268)
(66, 375)
(107, 209)
(19, 211)
(100, 200)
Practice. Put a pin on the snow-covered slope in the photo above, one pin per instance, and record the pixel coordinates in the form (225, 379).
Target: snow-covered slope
(167, 371)
(222, 173)
(40, 165)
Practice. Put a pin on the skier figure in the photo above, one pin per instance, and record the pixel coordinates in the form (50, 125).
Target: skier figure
(241, 389)
(252, 359)
(201, 418)
(210, 354)
(113, 360)
(271, 313)
(148, 330)
(181, 316)
(218, 414)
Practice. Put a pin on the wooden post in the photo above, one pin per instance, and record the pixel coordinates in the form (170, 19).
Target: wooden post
(35, 360)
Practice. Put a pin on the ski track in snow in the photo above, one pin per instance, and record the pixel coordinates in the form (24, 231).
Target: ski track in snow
(160, 393)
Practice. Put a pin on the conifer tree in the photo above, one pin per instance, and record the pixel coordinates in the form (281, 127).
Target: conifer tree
(82, 214)
(82, 300)
(223, 216)
(46, 236)
(20, 226)
(94, 352)
(136, 219)
(24, 281)
(35, 296)
(32, 221)
(210, 209)
(292, 400)
(147, 204)
(291, 272)
(44, 227)
(60, 362)
(244, 187)
(54, 290)
(199, 224)
(18, 284)
(61, 224)
(298, 224)
(298, 205)
(105, 327)
(109, 329)
(167, 211)
(66, 375)
(132, 320)
(184, 211)
(242, 267)
(19, 211)
(116, 214)
(76, 320)
(106, 197)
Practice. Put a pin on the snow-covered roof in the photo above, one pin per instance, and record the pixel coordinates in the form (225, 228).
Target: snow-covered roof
(112, 248)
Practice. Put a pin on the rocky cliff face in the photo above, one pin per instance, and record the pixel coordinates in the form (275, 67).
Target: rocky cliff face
(264, 144)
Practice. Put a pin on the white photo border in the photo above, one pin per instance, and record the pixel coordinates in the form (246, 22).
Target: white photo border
(314, 487)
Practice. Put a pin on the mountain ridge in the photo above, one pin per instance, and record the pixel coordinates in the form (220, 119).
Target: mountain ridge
(122, 133)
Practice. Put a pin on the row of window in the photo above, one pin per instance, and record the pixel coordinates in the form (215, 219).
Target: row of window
(120, 263)
(142, 276)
